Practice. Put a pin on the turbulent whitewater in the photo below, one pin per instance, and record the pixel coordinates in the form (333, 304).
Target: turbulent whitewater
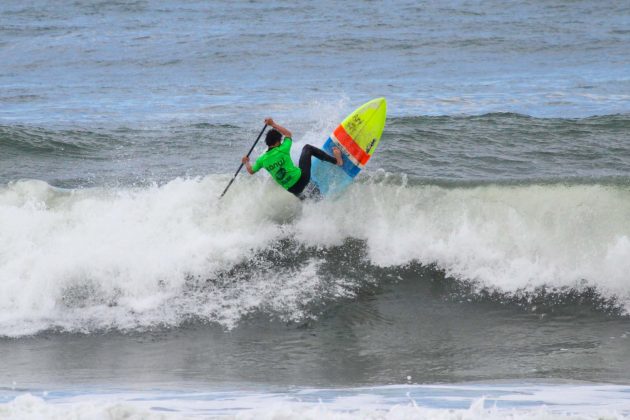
(99, 258)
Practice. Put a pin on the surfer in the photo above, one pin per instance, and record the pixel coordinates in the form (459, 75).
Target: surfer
(277, 160)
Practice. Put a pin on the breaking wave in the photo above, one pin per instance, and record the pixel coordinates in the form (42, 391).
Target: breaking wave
(135, 258)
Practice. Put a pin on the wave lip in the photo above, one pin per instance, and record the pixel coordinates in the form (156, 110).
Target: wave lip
(33, 141)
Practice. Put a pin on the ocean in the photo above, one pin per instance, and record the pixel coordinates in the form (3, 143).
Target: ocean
(477, 268)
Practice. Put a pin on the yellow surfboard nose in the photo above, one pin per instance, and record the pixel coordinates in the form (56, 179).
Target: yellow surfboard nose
(364, 127)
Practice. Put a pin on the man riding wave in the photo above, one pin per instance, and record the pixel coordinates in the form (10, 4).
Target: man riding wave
(277, 160)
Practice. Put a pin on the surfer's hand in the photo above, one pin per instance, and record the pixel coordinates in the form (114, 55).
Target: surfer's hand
(245, 159)
(270, 122)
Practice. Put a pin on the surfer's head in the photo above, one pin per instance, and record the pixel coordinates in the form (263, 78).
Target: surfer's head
(273, 138)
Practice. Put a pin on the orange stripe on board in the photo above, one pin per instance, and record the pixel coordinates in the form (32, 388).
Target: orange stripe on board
(351, 146)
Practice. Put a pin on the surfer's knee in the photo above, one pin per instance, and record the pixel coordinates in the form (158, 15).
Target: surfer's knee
(307, 150)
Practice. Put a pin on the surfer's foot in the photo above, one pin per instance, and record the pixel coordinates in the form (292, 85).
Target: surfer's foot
(337, 154)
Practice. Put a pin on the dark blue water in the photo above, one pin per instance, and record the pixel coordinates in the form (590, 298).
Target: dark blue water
(113, 62)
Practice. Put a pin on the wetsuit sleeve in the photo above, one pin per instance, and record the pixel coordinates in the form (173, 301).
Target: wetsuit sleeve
(257, 165)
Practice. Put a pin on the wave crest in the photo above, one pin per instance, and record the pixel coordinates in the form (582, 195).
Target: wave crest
(80, 260)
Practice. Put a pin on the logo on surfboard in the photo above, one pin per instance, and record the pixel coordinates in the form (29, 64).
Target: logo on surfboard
(354, 123)
(370, 146)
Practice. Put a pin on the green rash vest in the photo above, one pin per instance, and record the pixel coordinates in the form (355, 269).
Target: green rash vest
(277, 161)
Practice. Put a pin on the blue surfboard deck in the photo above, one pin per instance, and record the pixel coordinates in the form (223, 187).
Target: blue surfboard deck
(331, 179)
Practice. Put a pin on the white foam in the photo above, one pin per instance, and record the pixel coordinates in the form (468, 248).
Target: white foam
(121, 258)
(134, 248)
(390, 402)
(508, 237)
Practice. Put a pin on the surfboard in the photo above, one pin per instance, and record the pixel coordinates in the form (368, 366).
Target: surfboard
(357, 137)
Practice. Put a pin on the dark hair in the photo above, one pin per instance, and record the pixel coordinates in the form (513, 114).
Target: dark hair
(273, 137)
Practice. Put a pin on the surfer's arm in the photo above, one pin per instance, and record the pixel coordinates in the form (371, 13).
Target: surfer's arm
(248, 165)
(270, 122)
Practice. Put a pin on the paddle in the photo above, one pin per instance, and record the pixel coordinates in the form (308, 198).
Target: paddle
(241, 167)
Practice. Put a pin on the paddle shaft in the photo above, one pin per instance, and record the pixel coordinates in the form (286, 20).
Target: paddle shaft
(241, 167)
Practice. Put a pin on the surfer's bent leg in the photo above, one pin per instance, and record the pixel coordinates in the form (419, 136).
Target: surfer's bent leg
(308, 152)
